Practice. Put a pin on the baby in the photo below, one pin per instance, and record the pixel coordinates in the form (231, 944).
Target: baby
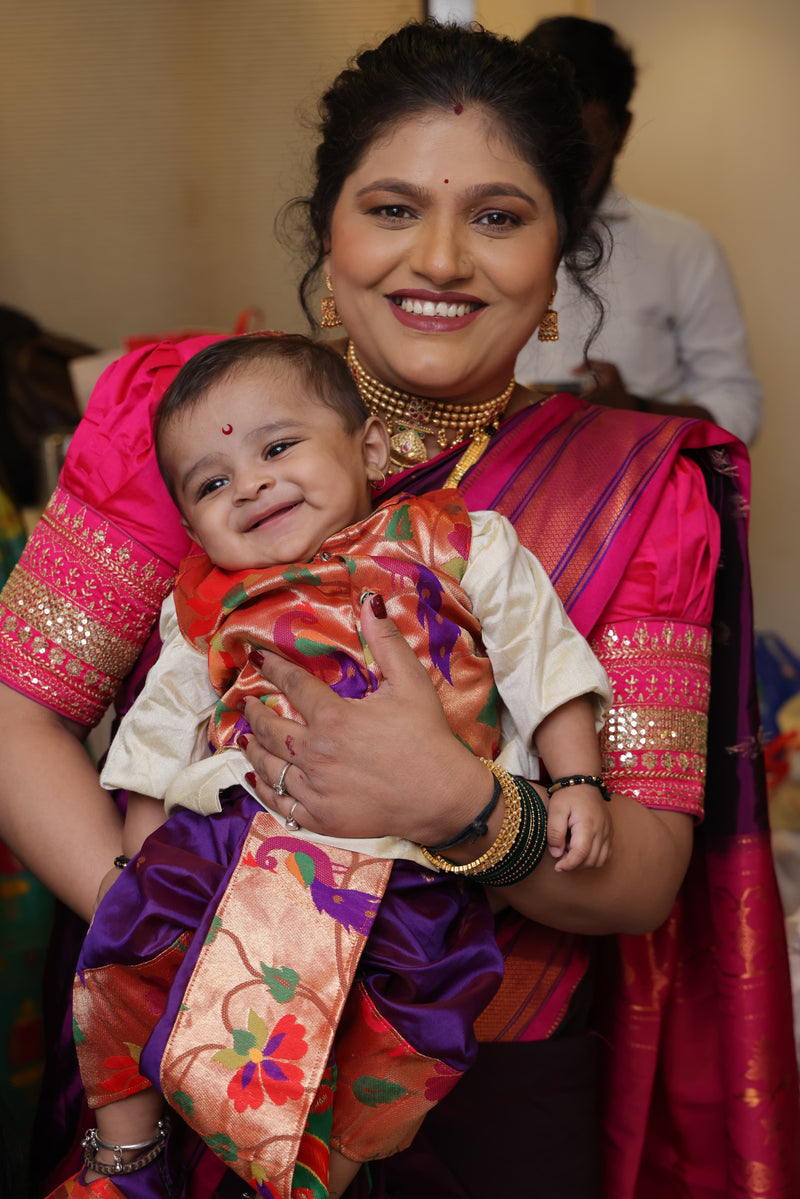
(234, 944)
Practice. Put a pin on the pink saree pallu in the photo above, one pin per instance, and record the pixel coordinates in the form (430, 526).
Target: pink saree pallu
(700, 1094)
(237, 1022)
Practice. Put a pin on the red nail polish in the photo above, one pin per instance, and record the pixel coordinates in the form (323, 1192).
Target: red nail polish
(242, 740)
(378, 606)
(250, 779)
(256, 657)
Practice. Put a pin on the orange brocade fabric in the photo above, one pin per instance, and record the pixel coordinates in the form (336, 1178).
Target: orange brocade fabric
(414, 551)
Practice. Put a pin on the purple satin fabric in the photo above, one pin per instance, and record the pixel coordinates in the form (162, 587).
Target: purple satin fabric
(431, 962)
(431, 959)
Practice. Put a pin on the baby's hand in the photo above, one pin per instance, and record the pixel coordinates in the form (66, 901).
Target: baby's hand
(579, 828)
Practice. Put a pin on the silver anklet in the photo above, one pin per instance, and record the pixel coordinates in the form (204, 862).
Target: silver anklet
(92, 1142)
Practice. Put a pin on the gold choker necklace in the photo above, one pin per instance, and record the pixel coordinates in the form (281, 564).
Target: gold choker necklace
(410, 418)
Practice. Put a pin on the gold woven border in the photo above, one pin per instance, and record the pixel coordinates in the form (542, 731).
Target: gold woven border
(77, 610)
(654, 740)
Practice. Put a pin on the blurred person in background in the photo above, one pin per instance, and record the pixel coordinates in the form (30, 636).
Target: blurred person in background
(673, 333)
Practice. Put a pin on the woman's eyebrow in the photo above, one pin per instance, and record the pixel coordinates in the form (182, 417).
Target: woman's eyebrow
(484, 191)
(477, 191)
(400, 186)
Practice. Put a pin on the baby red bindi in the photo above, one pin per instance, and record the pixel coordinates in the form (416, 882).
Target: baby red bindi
(227, 430)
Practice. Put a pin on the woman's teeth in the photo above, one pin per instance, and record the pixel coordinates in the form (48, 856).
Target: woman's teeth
(429, 308)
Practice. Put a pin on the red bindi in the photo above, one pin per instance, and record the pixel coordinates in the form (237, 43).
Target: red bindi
(447, 180)
(227, 430)
(458, 109)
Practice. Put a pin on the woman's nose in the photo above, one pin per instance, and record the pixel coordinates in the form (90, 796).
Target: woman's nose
(439, 252)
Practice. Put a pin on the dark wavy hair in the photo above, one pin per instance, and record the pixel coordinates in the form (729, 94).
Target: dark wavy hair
(528, 94)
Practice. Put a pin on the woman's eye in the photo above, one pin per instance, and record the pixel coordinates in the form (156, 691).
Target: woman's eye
(392, 212)
(209, 486)
(498, 220)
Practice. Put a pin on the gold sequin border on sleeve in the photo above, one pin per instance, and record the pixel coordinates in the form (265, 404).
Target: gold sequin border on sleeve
(654, 740)
(77, 610)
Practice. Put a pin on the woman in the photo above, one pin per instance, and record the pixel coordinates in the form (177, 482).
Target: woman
(448, 187)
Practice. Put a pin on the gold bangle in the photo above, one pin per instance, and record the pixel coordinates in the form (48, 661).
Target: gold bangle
(499, 848)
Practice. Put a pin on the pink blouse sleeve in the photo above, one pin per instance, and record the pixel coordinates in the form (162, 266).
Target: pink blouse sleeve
(654, 641)
(78, 608)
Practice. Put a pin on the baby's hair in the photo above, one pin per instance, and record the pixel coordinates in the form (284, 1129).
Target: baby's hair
(323, 371)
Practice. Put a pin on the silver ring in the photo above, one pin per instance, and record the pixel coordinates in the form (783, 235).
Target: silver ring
(291, 823)
(278, 787)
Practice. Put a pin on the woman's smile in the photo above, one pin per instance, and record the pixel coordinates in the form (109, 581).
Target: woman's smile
(443, 250)
(432, 312)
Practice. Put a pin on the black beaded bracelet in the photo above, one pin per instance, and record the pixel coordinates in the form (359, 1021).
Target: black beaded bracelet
(121, 861)
(478, 827)
(574, 780)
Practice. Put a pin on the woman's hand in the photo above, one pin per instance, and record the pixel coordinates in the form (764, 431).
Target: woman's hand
(384, 765)
(388, 764)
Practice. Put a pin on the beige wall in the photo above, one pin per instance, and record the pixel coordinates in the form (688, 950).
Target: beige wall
(146, 148)
(715, 136)
(516, 17)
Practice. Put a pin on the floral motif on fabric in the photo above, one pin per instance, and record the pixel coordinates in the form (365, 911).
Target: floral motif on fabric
(264, 1062)
(413, 550)
(77, 610)
(248, 1052)
(114, 1010)
(654, 739)
(385, 1088)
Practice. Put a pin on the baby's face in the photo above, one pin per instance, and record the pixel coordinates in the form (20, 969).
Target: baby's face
(264, 472)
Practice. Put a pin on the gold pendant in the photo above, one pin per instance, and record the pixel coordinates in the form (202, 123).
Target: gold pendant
(408, 448)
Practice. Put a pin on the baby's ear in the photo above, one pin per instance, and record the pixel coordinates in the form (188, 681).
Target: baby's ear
(375, 445)
(189, 530)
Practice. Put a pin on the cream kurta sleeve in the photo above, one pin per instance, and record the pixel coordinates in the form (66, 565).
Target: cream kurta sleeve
(166, 730)
(539, 658)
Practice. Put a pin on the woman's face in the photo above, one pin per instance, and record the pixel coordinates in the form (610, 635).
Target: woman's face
(443, 252)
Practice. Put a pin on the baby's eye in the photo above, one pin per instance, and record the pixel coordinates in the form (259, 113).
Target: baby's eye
(277, 447)
(210, 485)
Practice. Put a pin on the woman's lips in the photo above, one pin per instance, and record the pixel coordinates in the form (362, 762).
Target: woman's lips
(444, 314)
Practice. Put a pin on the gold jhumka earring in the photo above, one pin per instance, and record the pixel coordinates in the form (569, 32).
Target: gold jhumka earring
(330, 316)
(548, 325)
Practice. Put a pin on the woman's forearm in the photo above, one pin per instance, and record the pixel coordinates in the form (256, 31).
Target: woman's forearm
(632, 893)
(635, 890)
(53, 812)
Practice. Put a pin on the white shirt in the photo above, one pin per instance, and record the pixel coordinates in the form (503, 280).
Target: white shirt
(539, 660)
(673, 327)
